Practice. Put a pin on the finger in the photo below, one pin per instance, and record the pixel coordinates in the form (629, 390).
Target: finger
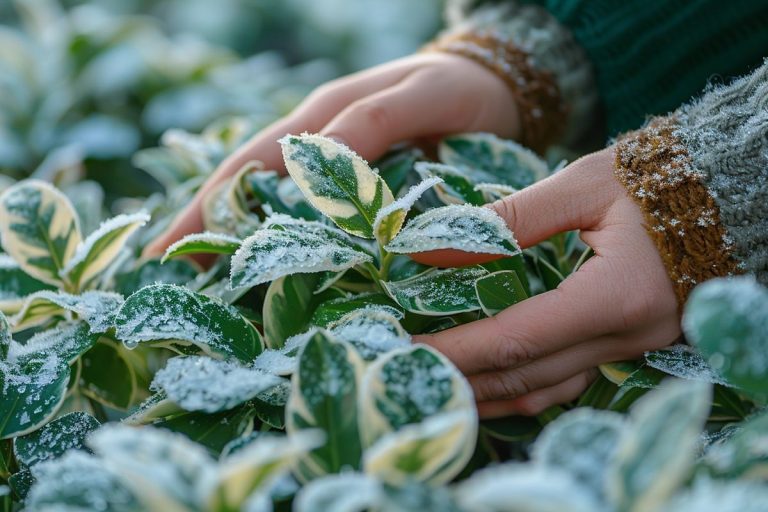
(578, 310)
(537, 402)
(414, 108)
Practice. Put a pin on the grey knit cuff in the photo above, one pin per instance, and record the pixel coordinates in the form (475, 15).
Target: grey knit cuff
(726, 134)
(549, 44)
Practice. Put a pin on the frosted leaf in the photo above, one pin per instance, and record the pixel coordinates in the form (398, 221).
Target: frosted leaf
(39, 229)
(165, 470)
(432, 451)
(270, 254)
(155, 407)
(456, 185)
(583, 443)
(78, 482)
(55, 438)
(438, 292)
(332, 310)
(167, 312)
(528, 487)
(314, 227)
(205, 384)
(256, 467)
(510, 162)
(466, 228)
(96, 308)
(225, 209)
(336, 181)
(99, 249)
(372, 331)
(710, 495)
(684, 362)
(346, 492)
(282, 361)
(744, 453)
(15, 285)
(655, 454)
(726, 319)
(390, 218)
(498, 291)
(67, 341)
(5, 337)
(493, 192)
(208, 242)
(324, 396)
(238, 443)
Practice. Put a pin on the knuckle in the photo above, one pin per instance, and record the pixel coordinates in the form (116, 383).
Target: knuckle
(502, 385)
(372, 113)
(530, 406)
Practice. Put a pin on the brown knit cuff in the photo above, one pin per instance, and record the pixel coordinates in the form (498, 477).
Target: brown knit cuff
(542, 112)
(681, 215)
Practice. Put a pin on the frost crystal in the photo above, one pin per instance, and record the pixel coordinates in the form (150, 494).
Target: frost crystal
(371, 330)
(684, 362)
(462, 227)
(438, 292)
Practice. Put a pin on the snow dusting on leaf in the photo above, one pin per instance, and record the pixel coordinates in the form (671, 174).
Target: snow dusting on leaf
(390, 218)
(438, 292)
(207, 242)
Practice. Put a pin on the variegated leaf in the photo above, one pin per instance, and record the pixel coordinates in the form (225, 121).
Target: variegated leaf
(101, 247)
(165, 312)
(466, 228)
(96, 308)
(390, 218)
(372, 331)
(438, 292)
(511, 163)
(336, 181)
(269, 254)
(498, 291)
(15, 285)
(457, 186)
(39, 229)
(226, 210)
(50, 442)
(207, 243)
(346, 492)
(324, 396)
(414, 396)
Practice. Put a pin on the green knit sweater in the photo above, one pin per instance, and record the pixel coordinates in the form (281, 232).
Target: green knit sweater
(649, 56)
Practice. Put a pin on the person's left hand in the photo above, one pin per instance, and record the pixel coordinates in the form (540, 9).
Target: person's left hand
(544, 350)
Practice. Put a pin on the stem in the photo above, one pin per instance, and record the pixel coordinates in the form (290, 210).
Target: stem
(588, 252)
(98, 410)
(386, 263)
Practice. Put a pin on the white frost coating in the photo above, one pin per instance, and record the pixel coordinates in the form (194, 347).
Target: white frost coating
(121, 227)
(165, 470)
(283, 361)
(269, 254)
(525, 487)
(438, 292)
(714, 495)
(493, 191)
(96, 308)
(208, 237)
(443, 443)
(401, 206)
(466, 228)
(311, 226)
(371, 330)
(64, 342)
(684, 362)
(204, 384)
(344, 492)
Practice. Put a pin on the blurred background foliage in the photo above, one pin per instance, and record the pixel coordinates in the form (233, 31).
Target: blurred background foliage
(84, 84)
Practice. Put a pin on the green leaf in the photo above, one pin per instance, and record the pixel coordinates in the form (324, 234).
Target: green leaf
(466, 228)
(99, 250)
(438, 292)
(684, 362)
(39, 229)
(107, 375)
(225, 208)
(582, 442)
(152, 271)
(456, 186)
(417, 417)
(164, 312)
(289, 306)
(270, 254)
(324, 396)
(727, 320)
(655, 454)
(390, 218)
(81, 482)
(498, 291)
(336, 181)
(208, 243)
(96, 308)
(340, 492)
(744, 454)
(372, 331)
(55, 438)
(711, 495)
(204, 384)
(256, 467)
(333, 310)
(511, 163)
(211, 430)
(15, 284)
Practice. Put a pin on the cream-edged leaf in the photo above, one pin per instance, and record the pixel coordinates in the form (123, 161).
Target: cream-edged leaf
(466, 228)
(15, 285)
(336, 181)
(457, 185)
(346, 492)
(39, 229)
(373, 330)
(391, 217)
(207, 243)
(269, 254)
(96, 308)
(65, 433)
(438, 292)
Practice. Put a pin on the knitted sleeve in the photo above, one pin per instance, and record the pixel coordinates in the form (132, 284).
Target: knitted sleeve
(548, 73)
(700, 175)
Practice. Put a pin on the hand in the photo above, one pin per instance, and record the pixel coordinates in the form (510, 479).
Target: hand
(420, 96)
(619, 304)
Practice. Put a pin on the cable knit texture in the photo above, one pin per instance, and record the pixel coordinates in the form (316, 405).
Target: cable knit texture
(549, 48)
(701, 179)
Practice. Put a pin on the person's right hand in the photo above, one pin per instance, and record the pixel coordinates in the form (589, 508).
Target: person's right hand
(424, 95)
